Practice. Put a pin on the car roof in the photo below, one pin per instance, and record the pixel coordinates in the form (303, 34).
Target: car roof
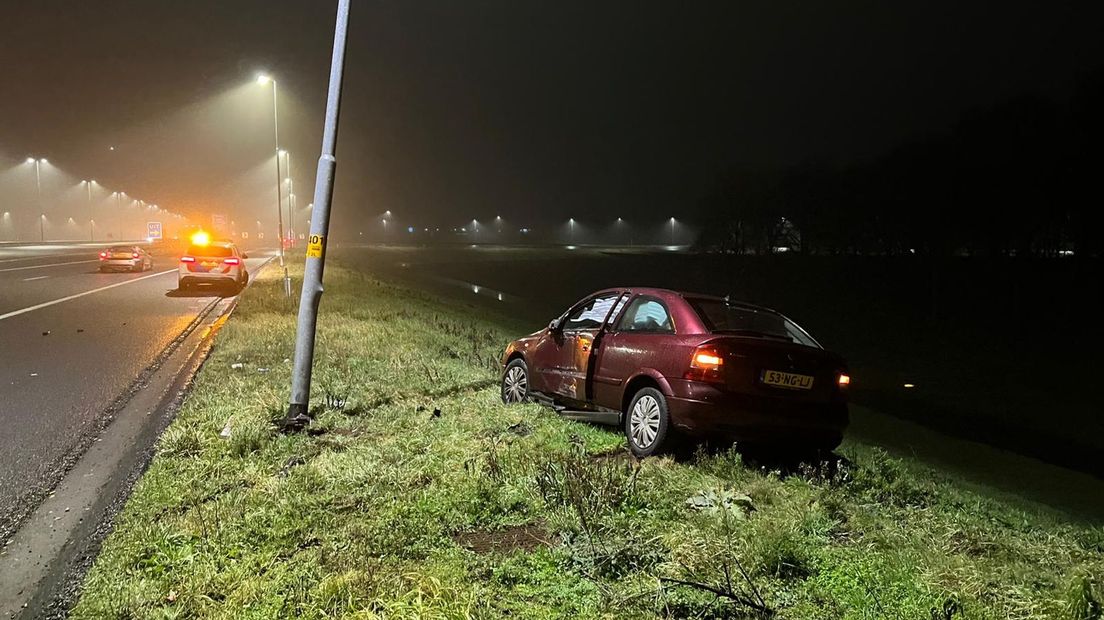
(666, 292)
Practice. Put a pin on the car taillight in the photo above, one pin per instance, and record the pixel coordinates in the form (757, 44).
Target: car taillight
(134, 255)
(187, 259)
(232, 261)
(103, 255)
(706, 364)
(844, 380)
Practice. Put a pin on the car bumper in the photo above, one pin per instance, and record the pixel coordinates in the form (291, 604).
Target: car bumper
(702, 410)
(130, 263)
(196, 277)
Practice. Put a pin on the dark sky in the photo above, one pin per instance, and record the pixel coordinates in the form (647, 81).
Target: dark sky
(536, 111)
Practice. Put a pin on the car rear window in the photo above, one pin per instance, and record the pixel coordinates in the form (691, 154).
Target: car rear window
(119, 249)
(721, 316)
(219, 251)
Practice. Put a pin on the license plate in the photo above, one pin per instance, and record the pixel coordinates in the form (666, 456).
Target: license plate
(120, 257)
(787, 380)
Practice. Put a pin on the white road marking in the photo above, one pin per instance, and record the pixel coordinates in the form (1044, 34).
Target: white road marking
(35, 278)
(72, 262)
(47, 304)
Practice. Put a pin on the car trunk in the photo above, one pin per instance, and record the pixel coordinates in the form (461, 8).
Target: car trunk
(776, 369)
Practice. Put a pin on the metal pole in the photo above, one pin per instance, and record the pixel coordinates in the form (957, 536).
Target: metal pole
(279, 190)
(311, 295)
(290, 202)
(41, 208)
(91, 215)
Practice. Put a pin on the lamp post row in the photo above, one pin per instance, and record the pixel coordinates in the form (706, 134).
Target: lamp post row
(37, 162)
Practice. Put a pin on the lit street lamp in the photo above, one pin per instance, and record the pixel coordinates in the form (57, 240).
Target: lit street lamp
(38, 186)
(291, 197)
(91, 211)
(264, 79)
(672, 231)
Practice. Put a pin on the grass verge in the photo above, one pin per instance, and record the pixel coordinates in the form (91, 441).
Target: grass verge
(418, 494)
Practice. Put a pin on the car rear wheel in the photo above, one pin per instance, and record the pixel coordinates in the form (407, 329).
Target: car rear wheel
(515, 382)
(647, 422)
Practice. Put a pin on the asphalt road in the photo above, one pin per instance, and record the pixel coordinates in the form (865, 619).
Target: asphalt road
(73, 341)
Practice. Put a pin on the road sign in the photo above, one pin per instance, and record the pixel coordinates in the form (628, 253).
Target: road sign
(218, 221)
(260, 235)
(153, 230)
(245, 235)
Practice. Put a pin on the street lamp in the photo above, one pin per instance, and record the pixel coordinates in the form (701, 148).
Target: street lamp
(38, 187)
(265, 79)
(672, 231)
(91, 211)
(291, 196)
(571, 230)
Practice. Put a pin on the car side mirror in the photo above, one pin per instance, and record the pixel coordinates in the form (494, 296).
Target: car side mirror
(554, 325)
(244, 255)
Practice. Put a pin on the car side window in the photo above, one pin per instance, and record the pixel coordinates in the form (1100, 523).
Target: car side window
(620, 305)
(591, 314)
(647, 315)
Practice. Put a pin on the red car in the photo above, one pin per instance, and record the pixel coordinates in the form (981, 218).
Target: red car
(660, 363)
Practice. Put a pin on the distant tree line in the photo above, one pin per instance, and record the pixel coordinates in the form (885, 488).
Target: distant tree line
(1020, 178)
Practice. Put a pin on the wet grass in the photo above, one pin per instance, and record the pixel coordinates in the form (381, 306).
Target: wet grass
(419, 495)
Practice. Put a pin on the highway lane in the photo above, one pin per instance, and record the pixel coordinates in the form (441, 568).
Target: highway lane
(71, 344)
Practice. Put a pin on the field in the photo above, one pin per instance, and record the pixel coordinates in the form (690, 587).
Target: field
(417, 494)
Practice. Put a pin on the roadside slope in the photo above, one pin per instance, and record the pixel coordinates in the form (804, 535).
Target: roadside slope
(417, 494)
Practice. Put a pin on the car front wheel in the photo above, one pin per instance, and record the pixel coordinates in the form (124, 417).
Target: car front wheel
(515, 382)
(647, 422)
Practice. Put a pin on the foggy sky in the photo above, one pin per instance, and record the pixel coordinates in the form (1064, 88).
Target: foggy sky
(535, 111)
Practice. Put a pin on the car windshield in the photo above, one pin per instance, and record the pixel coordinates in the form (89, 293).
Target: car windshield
(721, 316)
(219, 251)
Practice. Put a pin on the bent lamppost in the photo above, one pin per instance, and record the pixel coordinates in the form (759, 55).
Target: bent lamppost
(311, 295)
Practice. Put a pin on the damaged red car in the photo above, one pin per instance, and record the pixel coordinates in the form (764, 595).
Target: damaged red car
(662, 364)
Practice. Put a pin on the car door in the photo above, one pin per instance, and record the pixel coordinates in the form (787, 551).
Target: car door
(563, 350)
(632, 343)
(587, 346)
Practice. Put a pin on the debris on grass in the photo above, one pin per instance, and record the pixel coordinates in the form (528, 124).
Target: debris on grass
(292, 462)
(739, 504)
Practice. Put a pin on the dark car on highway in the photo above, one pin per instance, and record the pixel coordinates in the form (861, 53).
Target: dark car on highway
(661, 363)
(125, 258)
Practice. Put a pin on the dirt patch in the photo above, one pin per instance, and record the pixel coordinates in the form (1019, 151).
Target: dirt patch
(617, 455)
(507, 540)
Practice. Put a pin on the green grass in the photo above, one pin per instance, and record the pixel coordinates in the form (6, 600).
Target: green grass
(373, 513)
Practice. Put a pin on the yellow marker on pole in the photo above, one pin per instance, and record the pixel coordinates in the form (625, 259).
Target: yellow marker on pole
(315, 246)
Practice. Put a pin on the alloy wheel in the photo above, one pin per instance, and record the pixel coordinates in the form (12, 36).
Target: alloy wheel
(515, 386)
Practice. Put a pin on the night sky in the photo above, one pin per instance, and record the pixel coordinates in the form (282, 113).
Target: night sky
(536, 111)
